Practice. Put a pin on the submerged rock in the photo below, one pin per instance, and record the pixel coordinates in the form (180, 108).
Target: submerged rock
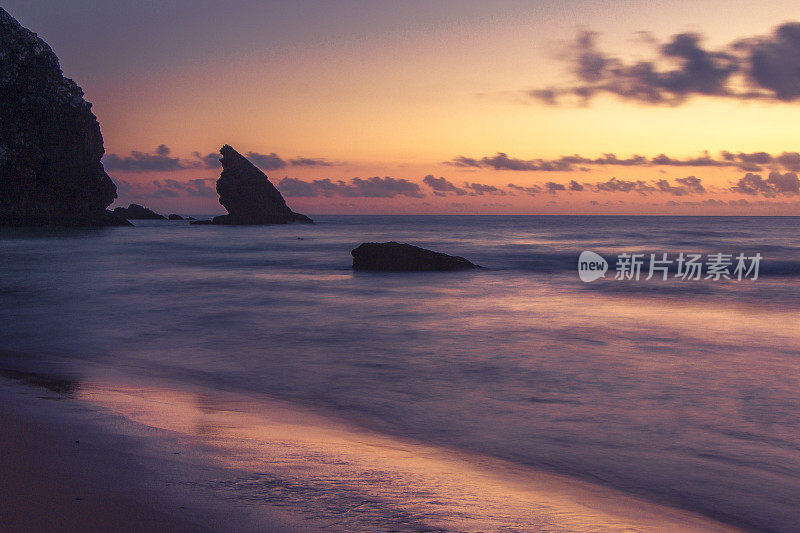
(50, 142)
(137, 212)
(173, 216)
(248, 195)
(401, 257)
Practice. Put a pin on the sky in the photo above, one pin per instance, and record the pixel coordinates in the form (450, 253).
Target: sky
(473, 107)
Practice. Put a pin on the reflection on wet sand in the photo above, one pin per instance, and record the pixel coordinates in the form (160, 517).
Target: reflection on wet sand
(355, 480)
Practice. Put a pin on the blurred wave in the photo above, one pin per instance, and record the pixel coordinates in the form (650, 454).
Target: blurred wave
(684, 391)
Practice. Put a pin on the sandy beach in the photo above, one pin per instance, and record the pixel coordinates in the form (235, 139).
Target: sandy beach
(134, 457)
(63, 470)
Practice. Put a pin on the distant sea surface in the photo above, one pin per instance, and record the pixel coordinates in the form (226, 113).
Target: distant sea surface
(686, 392)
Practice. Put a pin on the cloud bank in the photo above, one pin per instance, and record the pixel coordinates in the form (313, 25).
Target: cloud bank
(161, 160)
(375, 187)
(764, 67)
(750, 162)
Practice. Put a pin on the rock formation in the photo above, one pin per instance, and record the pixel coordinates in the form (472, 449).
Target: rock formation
(248, 196)
(401, 257)
(50, 142)
(173, 216)
(137, 212)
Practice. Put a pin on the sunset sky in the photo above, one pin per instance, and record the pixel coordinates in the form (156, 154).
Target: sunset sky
(444, 107)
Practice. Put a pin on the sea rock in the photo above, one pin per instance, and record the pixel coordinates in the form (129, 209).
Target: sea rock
(200, 222)
(50, 142)
(248, 195)
(401, 257)
(173, 216)
(137, 212)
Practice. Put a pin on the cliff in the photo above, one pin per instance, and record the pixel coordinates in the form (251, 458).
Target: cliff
(50, 141)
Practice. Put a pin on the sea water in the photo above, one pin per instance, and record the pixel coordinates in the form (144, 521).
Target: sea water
(685, 392)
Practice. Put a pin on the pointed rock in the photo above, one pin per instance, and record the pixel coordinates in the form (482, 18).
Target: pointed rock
(50, 142)
(248, 195)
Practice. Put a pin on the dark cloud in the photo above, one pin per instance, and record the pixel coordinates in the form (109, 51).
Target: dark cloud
(209, 160)
(157, 161)
(162, 161)
(692, 184)
(777, 183)
(754, 68)
(591, 64)
(665, 186)
(168, 188)
(273, 161)
(684, 187)
(547, 96)
(387, 187)
(124, 188)
(713, 202)
(375, 187)
(442, 186)
(533, 190)
(774, 62)
(749, 162)
(266, 161)
(789, 161)
(305, 189)
(462, 161)
(575, 186)
(703, 161)
(553, 187)
(618, 185)
(197, 187)
(612, 159)
(752, 184)
(163, 191)
(501, 161)
(479, 189)
(310, 162)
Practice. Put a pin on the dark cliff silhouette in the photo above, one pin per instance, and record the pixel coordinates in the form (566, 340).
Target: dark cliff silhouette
(50, 141)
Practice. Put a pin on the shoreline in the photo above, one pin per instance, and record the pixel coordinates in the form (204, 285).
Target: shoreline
(273, 465)
(63, 470)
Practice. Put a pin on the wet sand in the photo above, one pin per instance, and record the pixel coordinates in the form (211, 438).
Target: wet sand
(61, 470)
(155, 457)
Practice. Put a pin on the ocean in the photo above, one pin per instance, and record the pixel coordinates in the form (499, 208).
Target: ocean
(684, 392)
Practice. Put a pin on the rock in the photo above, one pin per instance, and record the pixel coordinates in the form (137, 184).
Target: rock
(173, 216)
(137, 212)
(200, 222)
(50, 142)
(401, 257)
(248, 196)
